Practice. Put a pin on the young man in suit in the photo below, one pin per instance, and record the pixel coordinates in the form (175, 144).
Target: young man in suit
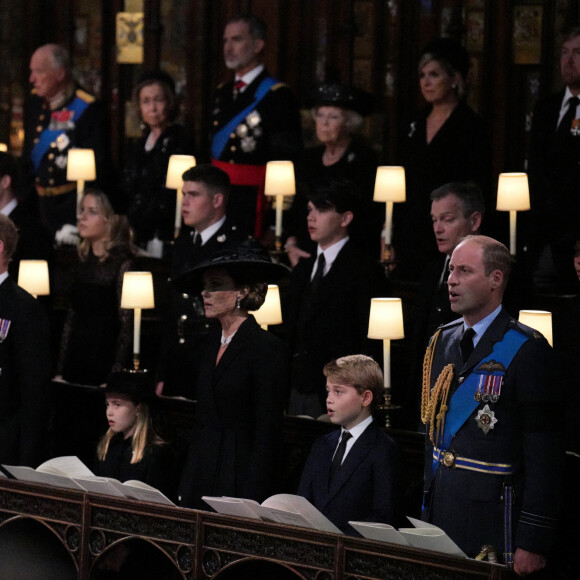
(25, 365)
(353, 474)
(327, 305)
(554, 172)
(492, 406)
(206, 191)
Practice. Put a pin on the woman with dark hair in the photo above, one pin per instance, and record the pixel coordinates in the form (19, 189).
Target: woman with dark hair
(338, 112)
(97, 336)
(242, 385)
(447, 141)
(152, 206)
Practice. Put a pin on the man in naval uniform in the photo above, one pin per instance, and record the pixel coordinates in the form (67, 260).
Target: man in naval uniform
(491, 405)
(60, 116)
(255, 119)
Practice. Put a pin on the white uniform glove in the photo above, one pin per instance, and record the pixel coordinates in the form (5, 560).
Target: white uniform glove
(67, 235)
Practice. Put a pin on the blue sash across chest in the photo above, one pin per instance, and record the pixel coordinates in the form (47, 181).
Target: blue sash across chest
(463, 403)
(221, 138)
(48, 136)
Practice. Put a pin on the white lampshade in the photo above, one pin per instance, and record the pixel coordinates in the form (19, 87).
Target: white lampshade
(280, 178)
(178, 165)
(270, 312)
(539, 320)
(33, 277)
(386, 319)
(3, 147)
(513, 192)
(81, 165)
(390, 184)
(137, 290)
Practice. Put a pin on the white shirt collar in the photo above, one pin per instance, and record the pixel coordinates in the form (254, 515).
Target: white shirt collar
(211, 230)
(564, 107)
(480, 327)
(9, 207)
(330, 254)
(356, 432)
(250, 76)
(3, 276)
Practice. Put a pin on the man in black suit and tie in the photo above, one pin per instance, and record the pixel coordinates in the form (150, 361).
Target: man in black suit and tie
(255, 119)
(34, 241)
(328, 301)
(206, 191)
(25, 366)
(554, 171)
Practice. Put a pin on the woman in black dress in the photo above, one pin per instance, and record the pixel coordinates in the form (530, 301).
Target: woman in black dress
(97, 333)
(242, 386)
(152, 205)
(447, 141)
(338, 112)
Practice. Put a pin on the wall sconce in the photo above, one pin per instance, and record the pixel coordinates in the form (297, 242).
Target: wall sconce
(4, 147)
(271, 311)
(389, 188)
(386, 324)
(539, 320)
(33, 277)
(81, 167)
(280, 182)
(513, 195)
(178, 165)
(137, 293)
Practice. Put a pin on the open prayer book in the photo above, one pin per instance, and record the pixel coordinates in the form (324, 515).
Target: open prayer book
(72, 473)
(283, 508)
(424, 535)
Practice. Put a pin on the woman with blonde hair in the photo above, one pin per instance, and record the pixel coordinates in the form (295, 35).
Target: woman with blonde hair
(96, 336)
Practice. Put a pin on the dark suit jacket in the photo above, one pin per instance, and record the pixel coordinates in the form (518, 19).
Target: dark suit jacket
(24, 374)
(554, 174)
(469, 505)
(332, 322)
(238, 421)
(367, 486)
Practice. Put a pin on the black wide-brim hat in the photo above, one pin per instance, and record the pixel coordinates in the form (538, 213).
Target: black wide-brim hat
(136, 385)
(249, 263)
(343, 96)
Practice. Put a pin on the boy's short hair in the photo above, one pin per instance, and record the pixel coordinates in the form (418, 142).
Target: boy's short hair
(341, 195)
(213, 178)
(358, 371)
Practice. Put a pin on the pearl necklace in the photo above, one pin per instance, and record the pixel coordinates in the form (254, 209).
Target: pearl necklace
(224, 341)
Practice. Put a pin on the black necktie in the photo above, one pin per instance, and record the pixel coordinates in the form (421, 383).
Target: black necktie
(197, 241)
(565, 125)
(339, 455)
(466, 344)
(319, 274)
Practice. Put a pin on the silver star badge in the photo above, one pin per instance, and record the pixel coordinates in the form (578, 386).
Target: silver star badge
(486, 419)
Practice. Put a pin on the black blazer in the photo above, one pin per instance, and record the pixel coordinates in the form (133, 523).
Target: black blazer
(366, 488)
(25, 369)
(332, 322)
(238, 420)
(469, 505)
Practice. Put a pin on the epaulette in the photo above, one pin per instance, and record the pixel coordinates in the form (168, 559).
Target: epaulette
(525, 330)
(85, 96)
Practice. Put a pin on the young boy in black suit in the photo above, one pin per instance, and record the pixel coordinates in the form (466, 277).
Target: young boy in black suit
(353, 473)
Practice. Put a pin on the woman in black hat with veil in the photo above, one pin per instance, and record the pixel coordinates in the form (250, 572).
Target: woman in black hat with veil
(242, 384)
